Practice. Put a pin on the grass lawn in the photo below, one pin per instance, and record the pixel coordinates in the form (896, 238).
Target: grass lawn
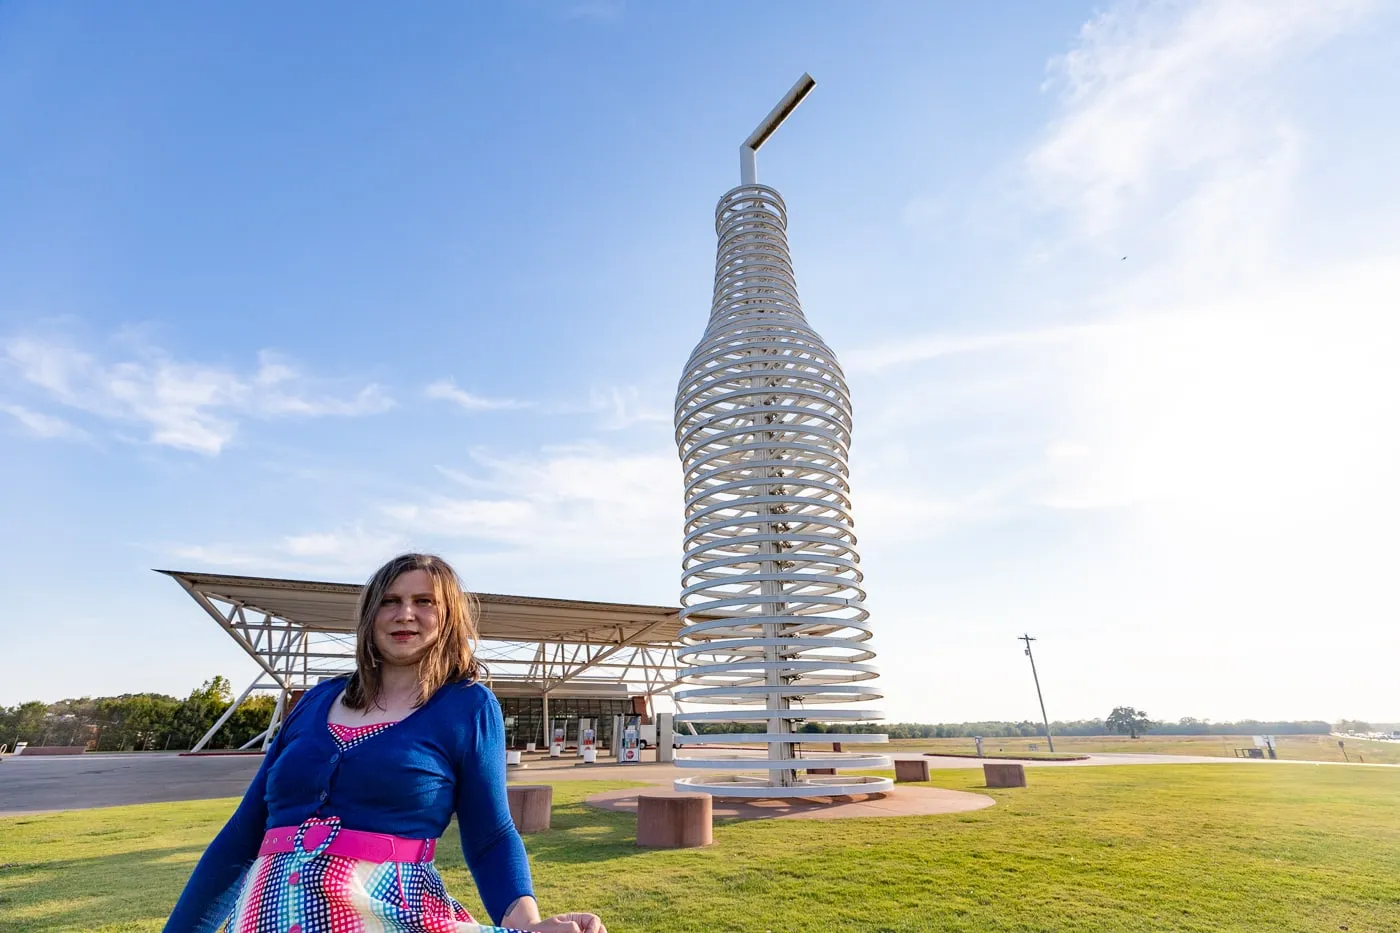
(1290, 747)
(1163, 847)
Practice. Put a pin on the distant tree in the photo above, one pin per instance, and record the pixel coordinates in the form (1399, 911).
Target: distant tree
(1354, 725)
(134, 721)
(1126, 720)
(154, 721)
(26, 723)
(250, 720)
(70, 722)
(205, 704)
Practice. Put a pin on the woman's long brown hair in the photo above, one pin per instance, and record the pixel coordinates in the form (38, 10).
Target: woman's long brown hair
(451, 658)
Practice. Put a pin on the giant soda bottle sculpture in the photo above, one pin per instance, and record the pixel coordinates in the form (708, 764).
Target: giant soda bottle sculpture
(776, 629)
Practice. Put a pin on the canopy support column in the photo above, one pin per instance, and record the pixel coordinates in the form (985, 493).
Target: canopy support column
(228, 714)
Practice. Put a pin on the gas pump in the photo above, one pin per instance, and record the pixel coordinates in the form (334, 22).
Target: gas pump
(556, 746)
(631, 740)
(587, 737)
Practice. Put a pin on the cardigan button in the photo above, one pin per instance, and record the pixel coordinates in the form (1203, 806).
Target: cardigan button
(294, 928)
(294, 878)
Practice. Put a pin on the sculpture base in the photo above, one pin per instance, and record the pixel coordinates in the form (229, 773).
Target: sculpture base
(846, 761)
(904, 800)
(743, 785)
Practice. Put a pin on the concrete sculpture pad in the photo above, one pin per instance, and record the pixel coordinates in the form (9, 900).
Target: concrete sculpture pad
(902, 801)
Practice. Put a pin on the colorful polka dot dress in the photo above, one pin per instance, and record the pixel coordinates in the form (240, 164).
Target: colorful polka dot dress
(314, 892)
(347, 737)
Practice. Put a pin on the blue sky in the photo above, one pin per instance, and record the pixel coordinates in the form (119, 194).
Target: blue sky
(283, 291)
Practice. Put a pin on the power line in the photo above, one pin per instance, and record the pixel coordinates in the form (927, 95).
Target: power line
(1044, 718)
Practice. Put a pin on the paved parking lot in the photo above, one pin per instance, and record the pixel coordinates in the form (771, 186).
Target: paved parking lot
(29, 785)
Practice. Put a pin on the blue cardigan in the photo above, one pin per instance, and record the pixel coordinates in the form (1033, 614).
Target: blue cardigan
(448, 756)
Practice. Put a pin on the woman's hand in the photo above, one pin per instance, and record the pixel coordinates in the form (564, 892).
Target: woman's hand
(524, 914)
(569, 923)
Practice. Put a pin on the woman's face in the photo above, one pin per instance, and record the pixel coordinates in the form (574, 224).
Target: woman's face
(406, 624)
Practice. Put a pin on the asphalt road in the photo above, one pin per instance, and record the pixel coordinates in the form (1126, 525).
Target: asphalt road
(30, 785)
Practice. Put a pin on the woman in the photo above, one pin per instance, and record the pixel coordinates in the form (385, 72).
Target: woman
(337, 831)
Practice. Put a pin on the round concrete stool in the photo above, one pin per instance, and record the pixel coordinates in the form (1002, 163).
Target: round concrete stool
(530, 806)
(1004, 774)
(673, 820)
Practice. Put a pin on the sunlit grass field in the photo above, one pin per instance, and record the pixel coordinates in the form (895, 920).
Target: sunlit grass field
(1163, 847)
(1290, 747)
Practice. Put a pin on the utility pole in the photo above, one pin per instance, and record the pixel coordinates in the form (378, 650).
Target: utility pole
(1044, 718)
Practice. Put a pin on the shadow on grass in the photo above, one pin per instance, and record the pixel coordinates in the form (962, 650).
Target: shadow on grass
(580, 833)
(100, 890)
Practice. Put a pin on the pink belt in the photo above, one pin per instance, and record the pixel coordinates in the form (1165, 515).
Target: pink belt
(325, 836)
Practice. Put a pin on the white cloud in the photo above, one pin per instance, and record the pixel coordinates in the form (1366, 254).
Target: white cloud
(41, 424)
(1269, 398)
(1228, 371)
(1207, 455)
(1067, 450)
(1266, 400)
(190, 406)
(617, 407)
(463, 478)
(623, 407)
(446, 390)
(1220, 368)
(535, 516)
(351, 552)
(585, 502)
(923, 349)
(1162, 97)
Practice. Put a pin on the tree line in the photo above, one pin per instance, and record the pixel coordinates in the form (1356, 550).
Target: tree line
(154, 722)
(137, 721)
(1028, 729)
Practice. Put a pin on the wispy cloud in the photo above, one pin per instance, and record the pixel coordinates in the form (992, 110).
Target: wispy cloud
(588, 502)
(1157, 97)
(622, 407)
(446, 390)
(560, 507)
(1222, 376)
(930, 347)
(41, 424)
(615, 408)
(186, 405)
(1266, 398)
(597, 10)
(350, 551)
